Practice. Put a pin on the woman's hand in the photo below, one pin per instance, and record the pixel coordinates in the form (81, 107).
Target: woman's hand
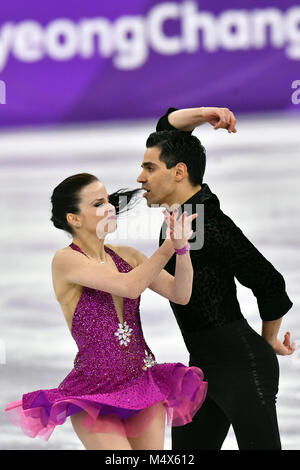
(179, 229)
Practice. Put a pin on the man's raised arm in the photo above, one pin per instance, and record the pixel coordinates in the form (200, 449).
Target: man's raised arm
(189, 118)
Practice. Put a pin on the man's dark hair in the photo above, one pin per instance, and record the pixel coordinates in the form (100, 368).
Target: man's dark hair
(178, 146)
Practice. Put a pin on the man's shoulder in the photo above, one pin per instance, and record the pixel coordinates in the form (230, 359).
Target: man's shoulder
(219, 218)
(219, 227)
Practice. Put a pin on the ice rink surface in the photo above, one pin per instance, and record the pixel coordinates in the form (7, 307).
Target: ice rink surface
(255, 174)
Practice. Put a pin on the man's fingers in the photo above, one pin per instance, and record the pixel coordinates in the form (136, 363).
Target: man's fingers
(222, 119)
(227, 116)
(291, 348)
(219, 116)
(232, 127)
(286, 341)
(226, 120)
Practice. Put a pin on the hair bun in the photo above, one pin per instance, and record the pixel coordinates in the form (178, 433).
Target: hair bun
(56, 222)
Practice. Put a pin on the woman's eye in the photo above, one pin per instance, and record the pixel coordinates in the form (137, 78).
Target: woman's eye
(150, 169)
(99, 204)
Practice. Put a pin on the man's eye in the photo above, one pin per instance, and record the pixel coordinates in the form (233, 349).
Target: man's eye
(150, 169)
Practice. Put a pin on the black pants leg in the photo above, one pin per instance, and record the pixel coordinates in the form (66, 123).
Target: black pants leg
(207, 431)
(256, 428)
(242, 373)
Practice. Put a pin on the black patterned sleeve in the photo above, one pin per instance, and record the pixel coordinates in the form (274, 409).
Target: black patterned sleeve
(253, 270)
(164, 125)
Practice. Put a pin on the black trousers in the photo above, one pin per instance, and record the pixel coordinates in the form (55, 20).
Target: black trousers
(242, 372)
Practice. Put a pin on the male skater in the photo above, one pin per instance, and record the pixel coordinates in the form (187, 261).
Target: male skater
(241, 366)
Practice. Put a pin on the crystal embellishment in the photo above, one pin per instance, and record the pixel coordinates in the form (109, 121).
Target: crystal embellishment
(123, 333)
(149, 360)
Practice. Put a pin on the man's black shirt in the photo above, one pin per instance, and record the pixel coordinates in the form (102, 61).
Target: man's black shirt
(226, 254)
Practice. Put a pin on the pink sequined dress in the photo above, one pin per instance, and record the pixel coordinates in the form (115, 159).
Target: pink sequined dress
(116, 379)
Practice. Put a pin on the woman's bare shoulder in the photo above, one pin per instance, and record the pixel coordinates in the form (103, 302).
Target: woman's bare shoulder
(133, 256)
(61, 256)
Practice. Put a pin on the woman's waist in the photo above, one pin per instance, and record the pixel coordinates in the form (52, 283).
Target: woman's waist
(113, 356)
(105, 334)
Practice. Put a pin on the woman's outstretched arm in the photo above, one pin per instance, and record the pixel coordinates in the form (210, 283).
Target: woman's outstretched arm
(73, 267)
(177, 288)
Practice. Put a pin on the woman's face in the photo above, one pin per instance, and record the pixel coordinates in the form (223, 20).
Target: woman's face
(97, 215)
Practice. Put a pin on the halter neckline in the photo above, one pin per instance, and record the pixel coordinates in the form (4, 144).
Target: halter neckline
(105, 249)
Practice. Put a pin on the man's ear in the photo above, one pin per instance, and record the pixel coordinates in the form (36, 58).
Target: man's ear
(180, 171)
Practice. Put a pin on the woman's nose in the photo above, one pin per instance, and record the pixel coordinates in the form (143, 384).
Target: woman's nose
(111, 210)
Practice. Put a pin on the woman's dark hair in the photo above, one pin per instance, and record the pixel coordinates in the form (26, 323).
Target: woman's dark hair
(65, 199)
(178, 146)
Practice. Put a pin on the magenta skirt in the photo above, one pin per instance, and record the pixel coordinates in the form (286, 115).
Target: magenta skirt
(178, 388)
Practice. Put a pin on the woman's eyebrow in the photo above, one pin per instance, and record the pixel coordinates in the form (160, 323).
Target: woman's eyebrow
(99, 199)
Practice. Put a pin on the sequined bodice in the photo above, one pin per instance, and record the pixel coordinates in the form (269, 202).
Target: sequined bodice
(105, 346)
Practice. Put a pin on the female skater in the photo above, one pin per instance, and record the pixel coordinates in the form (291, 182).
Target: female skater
(116, 394)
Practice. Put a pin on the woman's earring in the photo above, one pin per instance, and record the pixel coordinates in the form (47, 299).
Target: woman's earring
(77, 225)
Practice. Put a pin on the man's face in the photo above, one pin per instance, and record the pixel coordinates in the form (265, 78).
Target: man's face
(156, 178)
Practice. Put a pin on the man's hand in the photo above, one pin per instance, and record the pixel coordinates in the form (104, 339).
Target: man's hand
(220, 118)
(285, 348)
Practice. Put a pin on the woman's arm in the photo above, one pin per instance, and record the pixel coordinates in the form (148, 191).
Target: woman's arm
(75, 268)
(189, 118)
(178, 288)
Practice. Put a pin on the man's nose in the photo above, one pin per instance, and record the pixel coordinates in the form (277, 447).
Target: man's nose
(141, 178)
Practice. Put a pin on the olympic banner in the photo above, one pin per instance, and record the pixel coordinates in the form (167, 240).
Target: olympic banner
(76, 61)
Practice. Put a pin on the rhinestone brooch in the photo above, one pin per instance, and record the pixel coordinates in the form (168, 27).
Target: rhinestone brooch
(148, 360)
(123, 333)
